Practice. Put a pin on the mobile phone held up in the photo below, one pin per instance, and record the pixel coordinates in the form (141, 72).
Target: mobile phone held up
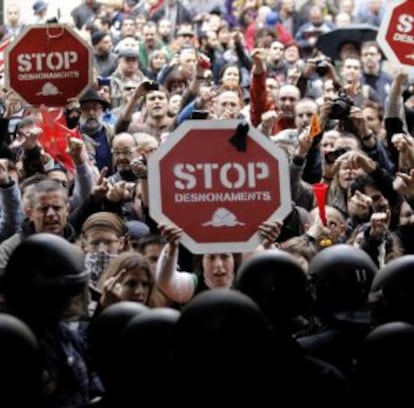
(151, 86)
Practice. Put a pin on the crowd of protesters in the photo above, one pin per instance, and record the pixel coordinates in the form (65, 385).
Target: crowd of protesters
(108, 301)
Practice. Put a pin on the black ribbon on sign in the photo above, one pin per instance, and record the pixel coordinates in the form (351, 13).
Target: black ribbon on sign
(239, 140)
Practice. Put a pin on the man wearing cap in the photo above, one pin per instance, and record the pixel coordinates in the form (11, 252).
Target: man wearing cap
(103, 237)
(39, 11)
(105, 60)
(137, 230)
(128, 70)
(97, 135)
(185, 36)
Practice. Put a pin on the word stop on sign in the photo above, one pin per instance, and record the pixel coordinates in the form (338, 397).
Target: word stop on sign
(231, 175)
(52, 61)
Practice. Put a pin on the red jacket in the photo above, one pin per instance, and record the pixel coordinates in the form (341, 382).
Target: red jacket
(261, 103)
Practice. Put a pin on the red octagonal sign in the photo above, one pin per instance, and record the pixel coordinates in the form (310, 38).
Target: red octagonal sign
(217, 194)
(47, 64)
(396, 33)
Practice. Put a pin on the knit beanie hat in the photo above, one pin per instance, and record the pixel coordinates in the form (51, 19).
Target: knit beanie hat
(105, 220)
(137, 229)
(97, 37)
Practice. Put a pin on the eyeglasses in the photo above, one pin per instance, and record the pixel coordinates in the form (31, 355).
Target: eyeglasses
(122, 152)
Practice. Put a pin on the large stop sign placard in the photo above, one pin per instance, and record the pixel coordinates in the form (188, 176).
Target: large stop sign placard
(396, 33)
(47, 64)
(218, 194)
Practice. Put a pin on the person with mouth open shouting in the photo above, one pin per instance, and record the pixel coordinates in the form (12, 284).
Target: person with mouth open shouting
(212, 271)
(46, 210)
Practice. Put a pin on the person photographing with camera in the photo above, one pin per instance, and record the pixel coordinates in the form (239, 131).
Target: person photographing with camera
(351, 72)
(344, 110)
(351, 119)
(321, 68)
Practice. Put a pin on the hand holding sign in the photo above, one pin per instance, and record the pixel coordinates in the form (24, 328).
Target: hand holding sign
(47, 64)
(396, 34)
(228, 191)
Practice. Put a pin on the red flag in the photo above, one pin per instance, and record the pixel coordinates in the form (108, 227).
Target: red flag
(53, 138)
(3, 47)
(315, 127)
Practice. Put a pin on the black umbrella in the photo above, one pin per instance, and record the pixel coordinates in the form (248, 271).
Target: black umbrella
(330, 43)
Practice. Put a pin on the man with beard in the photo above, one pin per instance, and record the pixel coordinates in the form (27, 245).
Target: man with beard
(93, 129)
(273, 115)
(105, 60)
(289, 96)
(308, 33)
(123, 152)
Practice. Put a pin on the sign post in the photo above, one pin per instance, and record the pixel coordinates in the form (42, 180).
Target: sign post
(396, 34)
(217, 193)
(47, 64)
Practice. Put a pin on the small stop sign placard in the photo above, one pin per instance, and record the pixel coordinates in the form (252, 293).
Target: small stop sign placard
(47, 64)
(396, 33)
(219, 195)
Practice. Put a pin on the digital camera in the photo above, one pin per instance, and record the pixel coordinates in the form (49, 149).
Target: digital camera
(322, 67)
(341, 107)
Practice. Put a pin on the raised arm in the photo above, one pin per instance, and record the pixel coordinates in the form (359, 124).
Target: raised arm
(10, 203)
(177, 286)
